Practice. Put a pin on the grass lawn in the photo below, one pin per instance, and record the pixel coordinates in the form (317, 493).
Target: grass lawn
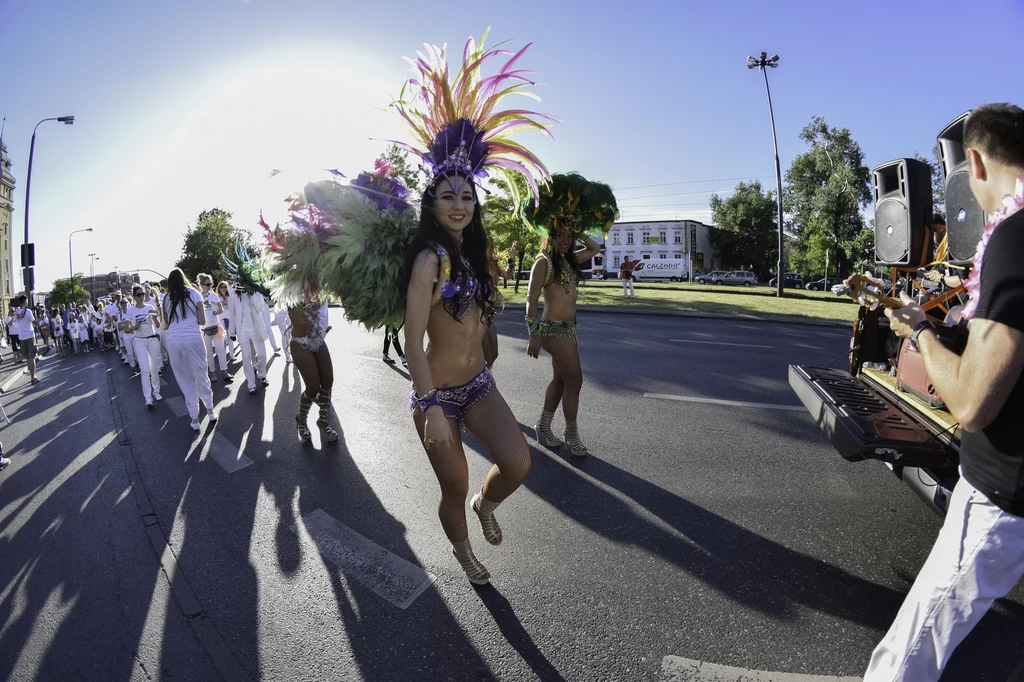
(758, 300)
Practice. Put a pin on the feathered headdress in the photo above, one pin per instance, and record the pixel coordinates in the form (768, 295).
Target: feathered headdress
(573, 202)
(251, 274)
(347, 242)
(454, 121)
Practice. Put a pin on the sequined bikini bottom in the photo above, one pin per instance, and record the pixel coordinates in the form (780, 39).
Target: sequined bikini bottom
(456, 400)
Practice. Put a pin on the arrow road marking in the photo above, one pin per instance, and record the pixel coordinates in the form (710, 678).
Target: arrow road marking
(730, 403)
(678, 669)
(388, 575)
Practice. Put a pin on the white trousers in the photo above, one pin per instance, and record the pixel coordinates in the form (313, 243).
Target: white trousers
(188, 362)
(286, 342)
(129, 349)
(244, 337)
(147, 352)
(215, 348)
(977, 558)
(628, 283)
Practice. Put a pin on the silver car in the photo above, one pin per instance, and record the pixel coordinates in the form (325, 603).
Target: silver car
(709, 276)
(738, 277)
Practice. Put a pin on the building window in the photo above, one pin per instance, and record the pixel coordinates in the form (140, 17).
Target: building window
(615, 239)
(646, 238)
(617, 262)
(646, 256)
(677, 255)
(629, 238)
(664, 237)
(678, 237)
(662, 255)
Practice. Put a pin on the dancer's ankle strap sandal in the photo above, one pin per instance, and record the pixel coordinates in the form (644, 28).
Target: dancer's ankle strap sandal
(327, 434)
(301, 417)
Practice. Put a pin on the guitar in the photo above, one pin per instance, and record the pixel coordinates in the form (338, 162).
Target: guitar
(952, 331)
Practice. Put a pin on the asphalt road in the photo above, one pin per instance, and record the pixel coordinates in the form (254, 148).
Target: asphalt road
(726, 532)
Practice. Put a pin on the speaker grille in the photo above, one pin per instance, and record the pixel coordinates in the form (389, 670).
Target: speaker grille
(964, 218)
(892, 233)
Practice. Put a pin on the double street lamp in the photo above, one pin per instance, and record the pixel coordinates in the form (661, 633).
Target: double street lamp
(71, 267)
(27, 249)
(92, 276)
(763, 63)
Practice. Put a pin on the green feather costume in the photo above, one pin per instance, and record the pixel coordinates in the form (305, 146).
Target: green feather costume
(572, 201)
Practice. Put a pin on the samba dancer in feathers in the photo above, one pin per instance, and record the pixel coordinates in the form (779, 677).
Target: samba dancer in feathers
(462, 138)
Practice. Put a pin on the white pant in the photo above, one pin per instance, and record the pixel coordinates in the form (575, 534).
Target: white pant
(628, 283)
(129, 348)
(229, 345)
(244, 337)
(188, 362)
(286, 341)
(215, 347)
(147, 351)
(977, 558)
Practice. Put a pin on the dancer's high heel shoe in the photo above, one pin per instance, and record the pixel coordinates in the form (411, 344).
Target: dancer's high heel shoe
(546, 437)
(327, 434)
(301, 419)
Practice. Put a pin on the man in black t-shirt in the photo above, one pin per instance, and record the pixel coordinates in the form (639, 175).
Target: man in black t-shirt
(979, 554)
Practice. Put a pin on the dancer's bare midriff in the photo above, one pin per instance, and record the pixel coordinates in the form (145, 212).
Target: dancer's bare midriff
(454, 348)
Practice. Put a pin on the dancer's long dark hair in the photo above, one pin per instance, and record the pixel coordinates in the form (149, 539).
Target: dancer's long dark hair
(475, 247)
(178, 288)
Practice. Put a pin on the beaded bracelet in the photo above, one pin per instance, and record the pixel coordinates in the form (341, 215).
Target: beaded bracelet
(432, 398)
(533, 326)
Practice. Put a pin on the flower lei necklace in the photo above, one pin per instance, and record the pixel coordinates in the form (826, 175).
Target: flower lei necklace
(1011, 204)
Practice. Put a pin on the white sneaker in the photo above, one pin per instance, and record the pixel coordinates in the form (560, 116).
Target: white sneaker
(4, 462)
(211, 415)
(149, 403)
(157, 396)
(195, 425)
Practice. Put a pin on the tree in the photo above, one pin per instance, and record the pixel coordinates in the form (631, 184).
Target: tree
(505, 224)
(938, 186)
(67, 291)
(826, 189)
(746, 235)
(415, 178)
(207, 242)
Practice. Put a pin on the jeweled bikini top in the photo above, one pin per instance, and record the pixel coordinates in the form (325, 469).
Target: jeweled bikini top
(456, 295)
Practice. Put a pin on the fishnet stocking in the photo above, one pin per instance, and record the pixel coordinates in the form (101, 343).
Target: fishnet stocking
(491, 420)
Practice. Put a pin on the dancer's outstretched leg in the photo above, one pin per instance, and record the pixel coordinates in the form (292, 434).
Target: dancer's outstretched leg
(491, 420)
(565, 360)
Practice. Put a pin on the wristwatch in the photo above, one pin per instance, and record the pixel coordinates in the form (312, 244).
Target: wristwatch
(923, 326)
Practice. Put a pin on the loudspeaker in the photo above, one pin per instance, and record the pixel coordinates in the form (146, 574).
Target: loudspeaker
(964, 217)
(903, 209)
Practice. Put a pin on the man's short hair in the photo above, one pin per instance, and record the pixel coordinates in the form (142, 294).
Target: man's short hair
(997, 130)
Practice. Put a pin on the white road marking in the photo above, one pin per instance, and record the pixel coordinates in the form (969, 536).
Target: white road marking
(10, 381)
(678, 669)
(177, 405)
(719, 343)
(227, 454)
(730, 403)
(388, 575)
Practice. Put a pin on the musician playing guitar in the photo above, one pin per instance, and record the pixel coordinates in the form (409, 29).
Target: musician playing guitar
(979, 554)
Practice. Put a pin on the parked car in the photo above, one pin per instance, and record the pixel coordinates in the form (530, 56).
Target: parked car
(824, 284)
(791, 280)
(708, 276)
(738, 277)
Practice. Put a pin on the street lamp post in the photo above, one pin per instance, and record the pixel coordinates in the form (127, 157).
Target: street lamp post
(28, 255)
(92, 277)
(71, 267)
(762, 63)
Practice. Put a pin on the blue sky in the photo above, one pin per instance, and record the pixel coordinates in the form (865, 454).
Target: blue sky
(183, 106)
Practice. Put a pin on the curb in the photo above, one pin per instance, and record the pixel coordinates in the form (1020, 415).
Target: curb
(655, 312)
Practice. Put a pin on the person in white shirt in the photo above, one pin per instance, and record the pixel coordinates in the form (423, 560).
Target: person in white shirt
(127, 337)
(225, 320)
(110, 313)
(184, 317)
(213, 334)
(246, 313)
(83, 333)
(21, 325)
(57, 330)
(284, 323)
(143, 322)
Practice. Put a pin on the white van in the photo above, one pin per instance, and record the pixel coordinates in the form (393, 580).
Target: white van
(672, 269)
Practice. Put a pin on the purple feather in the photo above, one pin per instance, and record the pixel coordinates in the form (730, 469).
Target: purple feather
(389, 194)
(458, 147)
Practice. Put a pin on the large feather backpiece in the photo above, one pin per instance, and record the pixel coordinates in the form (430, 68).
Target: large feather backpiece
(250, 273)
(572, 201)
(347, 242)
(455, 123)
